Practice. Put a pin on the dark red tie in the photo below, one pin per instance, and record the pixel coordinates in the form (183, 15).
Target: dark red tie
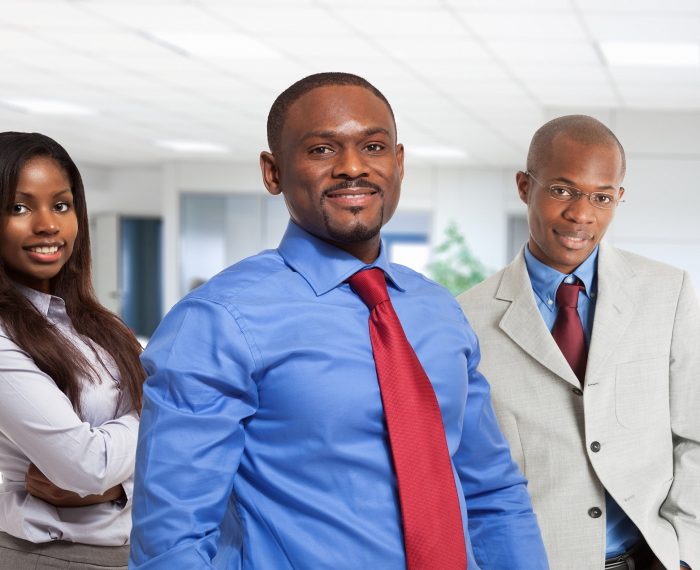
(432, 520)
(568, 330)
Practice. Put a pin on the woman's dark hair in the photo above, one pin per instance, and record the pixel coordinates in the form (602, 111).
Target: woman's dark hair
(26, 326)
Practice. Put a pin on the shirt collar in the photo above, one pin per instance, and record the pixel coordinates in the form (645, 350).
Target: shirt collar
(43, 302)
(546, 280)
(325, 266)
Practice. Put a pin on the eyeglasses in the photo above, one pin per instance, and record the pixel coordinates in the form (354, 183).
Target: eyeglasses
(565, 193)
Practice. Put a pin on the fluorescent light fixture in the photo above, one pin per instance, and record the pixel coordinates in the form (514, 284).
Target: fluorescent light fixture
(437, 152)
(651, 54)
(216, 46)
(203, 147)
(49, 107)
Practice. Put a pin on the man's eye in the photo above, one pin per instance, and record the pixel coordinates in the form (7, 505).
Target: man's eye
(18, 209)
(321, 150)
(603, 198)
(375, 147)
(561, 191)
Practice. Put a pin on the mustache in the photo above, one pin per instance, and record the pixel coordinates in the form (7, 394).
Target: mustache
(348, 184)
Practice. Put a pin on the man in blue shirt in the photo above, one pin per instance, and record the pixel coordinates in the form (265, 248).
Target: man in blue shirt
(263, 442)
(611, 449)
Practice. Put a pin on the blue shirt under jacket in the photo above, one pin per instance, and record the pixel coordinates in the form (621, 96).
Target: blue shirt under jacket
(263, 444)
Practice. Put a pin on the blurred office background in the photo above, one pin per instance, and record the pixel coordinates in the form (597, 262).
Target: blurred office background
(163, 105)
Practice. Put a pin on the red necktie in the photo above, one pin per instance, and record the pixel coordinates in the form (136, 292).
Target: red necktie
(568, 331)
(432, 520)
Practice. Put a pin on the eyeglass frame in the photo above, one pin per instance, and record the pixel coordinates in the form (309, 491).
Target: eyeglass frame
(578, 193)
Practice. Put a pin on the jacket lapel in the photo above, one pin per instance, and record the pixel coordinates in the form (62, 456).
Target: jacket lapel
(614, 307)
(523, 323)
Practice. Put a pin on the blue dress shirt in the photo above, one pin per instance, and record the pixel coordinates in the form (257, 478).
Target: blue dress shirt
(263, 443)
(621, 533)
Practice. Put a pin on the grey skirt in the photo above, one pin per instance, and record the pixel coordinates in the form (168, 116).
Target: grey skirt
(18, 554)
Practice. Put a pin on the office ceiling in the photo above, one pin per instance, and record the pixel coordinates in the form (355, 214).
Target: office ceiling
(469, 80)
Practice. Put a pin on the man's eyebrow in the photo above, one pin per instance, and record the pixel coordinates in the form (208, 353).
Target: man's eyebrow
(333, 134)
(572, 183)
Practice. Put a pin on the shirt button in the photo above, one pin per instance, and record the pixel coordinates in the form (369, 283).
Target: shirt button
(577, 391)
(550, 302)
(569, 279)
(594, 512)
(595, 446)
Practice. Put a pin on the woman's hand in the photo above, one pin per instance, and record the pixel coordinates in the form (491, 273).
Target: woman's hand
(40, 487)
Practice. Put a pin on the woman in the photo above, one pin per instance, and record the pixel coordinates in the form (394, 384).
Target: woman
(70, 377)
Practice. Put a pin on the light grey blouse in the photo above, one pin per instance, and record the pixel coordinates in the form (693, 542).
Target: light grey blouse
(86, 455)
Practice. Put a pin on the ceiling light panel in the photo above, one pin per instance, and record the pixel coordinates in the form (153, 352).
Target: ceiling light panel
(176, 17)
(434, 47)
(39, 106)
(644, 27)
(571, 53)
(420, 22)
(521, 24)
(45, 14)
(586, 94)
(275, 20)
(530, 73)
(651, 54)
(192, 146)
(23, 42)
(304, 47)
(511, 5)
(638, 6)
(219, 46)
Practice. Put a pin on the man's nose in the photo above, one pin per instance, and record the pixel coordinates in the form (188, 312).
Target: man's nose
(580, 210)
(350, 163)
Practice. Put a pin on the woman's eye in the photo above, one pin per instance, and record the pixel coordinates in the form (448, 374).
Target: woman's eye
(18, 209)
(62, 207)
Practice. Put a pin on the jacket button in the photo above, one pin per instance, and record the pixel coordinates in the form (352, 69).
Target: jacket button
(577, 391)
(594, 512)
(595, 446)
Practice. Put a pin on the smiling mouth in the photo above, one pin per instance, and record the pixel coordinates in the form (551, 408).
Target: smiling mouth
(573, 239)
(357, 195)
(44, 249)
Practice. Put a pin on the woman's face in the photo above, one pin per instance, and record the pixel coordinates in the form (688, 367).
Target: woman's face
(39, 229)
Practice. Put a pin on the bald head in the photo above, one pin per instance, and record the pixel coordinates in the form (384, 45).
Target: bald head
(580, 128)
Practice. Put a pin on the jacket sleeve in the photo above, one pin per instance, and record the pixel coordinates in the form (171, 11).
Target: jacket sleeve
(198, 394)
(40, 420)
(503, 528)
(682, 505)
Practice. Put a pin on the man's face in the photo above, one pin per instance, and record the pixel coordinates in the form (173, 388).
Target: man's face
(339, 167)
(563, 234)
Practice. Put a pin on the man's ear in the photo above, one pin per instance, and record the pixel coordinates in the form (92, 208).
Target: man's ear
(270, 172)
(522, 181)
(399, 158)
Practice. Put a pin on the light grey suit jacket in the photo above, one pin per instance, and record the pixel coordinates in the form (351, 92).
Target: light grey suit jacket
(641, 404)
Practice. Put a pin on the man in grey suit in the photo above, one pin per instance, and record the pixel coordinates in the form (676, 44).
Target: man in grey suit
(593, 355)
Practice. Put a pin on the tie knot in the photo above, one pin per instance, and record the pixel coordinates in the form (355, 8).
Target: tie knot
(370, 285)
(567, 294)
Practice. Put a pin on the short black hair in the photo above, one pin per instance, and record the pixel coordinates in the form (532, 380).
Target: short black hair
(581, 128)
(279, 109)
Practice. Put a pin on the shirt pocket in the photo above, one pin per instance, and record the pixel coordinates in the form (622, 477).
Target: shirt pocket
(641, 392)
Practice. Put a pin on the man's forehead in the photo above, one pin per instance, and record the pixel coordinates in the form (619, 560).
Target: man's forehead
(341, 109)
